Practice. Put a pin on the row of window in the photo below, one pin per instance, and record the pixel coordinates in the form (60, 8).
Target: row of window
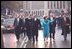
(56, 4)
(52, 4)
(39, 13)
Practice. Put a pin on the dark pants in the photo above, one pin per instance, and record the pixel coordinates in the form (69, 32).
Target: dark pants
(52, 31)
(37, 36)
(35, 33)
(17, 36)
(29, 34)
(67, 29)
(33, 38)
(64, 32)
(17, 33)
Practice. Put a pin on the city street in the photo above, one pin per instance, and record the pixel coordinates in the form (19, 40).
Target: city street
(18, 17)
(10, 41)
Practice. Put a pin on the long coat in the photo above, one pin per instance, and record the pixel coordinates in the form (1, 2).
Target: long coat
(36, 26)
(28, 27)
(65, 27)
(52, 26)
(46, 27)
(32, 26)
(15, 25)
(17, 33)
(18, 25)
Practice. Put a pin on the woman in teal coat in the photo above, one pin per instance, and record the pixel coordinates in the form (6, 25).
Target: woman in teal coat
(46, 27)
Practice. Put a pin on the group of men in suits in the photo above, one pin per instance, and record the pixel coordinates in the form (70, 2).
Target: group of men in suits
(28, 25)
(64, 23)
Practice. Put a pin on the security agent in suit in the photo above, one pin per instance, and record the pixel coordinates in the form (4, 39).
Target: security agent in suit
(28, 27)
(37, 27)
(16, 21)
(34, 27)
(65, 26)
(52, 25)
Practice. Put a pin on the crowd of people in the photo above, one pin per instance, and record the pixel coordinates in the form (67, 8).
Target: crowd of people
(29, 25)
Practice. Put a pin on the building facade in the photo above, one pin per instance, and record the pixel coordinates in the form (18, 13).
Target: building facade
(50, 4)
(40, 7)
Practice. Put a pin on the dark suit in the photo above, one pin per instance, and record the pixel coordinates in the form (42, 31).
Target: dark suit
(52, 27)
(21, 25)
(59, 21)
(28, 27)
(37, 27)
(18, 27)
(34, 28)
(65, 27)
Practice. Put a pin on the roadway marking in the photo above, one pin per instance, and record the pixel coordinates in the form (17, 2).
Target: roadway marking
(23, 42)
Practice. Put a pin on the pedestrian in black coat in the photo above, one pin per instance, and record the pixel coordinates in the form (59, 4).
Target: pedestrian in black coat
(17, 33)
(28, 27)
(18, 24)
(37, 27)
(52, 25)
(65, 25)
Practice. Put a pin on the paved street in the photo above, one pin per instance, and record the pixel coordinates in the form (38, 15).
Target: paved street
(10, 41)
(58, 43)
